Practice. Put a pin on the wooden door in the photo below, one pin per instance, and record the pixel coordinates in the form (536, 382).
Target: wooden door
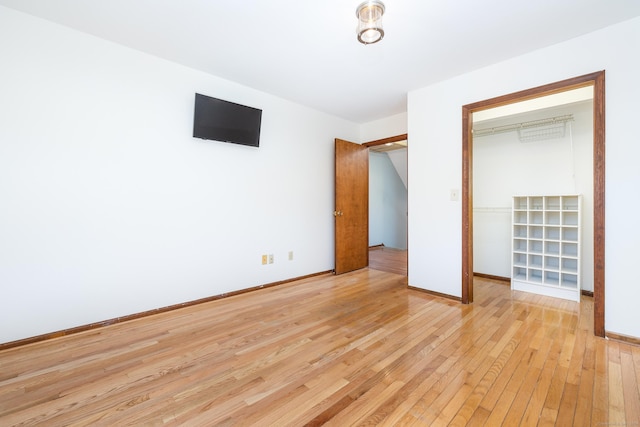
(351, 207)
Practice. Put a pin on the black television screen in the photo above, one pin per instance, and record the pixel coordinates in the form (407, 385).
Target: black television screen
(226, 121)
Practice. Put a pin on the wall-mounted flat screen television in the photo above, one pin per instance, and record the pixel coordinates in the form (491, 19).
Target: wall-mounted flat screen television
(225, 121)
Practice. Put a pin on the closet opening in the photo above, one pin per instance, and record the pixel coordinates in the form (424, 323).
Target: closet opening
(549, 125)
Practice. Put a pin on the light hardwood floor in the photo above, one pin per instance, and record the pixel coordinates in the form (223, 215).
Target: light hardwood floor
(355, 349)
(388, 259)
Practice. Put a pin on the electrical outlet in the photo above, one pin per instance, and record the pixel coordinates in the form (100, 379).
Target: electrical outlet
(264, 259)
(270, 258)
(290, 255)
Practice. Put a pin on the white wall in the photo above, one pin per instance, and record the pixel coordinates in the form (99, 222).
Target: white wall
(435, 164)
(503, 167)
(384, 128)
(110, 207)
(399, 160)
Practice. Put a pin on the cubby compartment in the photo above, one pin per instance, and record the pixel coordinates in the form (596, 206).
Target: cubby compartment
(520, 203)
(570, 203)
(520, 245)
(551, 263)
(535, 261)
(570, 234)
(570, 265)
(535, 246)
(536, 217)
(569, 281)
(520, 217)
(570, 249)
(552, 203)
(519, 273)
(536, 203)
(519, 260)
(551, 278)
(536, 232)
(552, 218)
(520, 231)
(570, 218)
(552, 233)
(552, 248)
(534, 275)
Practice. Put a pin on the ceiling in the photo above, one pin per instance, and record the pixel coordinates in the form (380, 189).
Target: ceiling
(307, 52)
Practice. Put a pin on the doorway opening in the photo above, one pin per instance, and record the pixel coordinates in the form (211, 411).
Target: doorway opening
(352, 202)
(539, 151)
(388, 203)
(596, 80)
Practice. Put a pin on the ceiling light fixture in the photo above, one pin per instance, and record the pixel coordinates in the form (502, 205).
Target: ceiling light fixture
(369, 16)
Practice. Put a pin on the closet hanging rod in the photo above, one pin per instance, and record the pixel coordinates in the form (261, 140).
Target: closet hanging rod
(523, 125)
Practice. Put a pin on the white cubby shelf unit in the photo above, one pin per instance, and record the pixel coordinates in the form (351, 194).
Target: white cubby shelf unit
(546, 245)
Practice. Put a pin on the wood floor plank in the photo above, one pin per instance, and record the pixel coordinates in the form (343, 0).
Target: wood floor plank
(600, 396)
(585, 387)
(503, 350)
(388, 259)
(505, 372)
(355, 349)
(541, 390)
(635, 353)
(476, 364)
(459, 409)
(522, 398)
(616, 390)
(508, 394)
(629, 386)
(479, 417)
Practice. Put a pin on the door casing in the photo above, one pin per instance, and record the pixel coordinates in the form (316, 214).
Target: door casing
(597, 80)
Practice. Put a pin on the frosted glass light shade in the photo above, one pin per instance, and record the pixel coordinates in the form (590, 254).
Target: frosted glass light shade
(369, 16)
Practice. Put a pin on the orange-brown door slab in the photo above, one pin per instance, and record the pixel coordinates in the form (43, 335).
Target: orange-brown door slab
(351, 207)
